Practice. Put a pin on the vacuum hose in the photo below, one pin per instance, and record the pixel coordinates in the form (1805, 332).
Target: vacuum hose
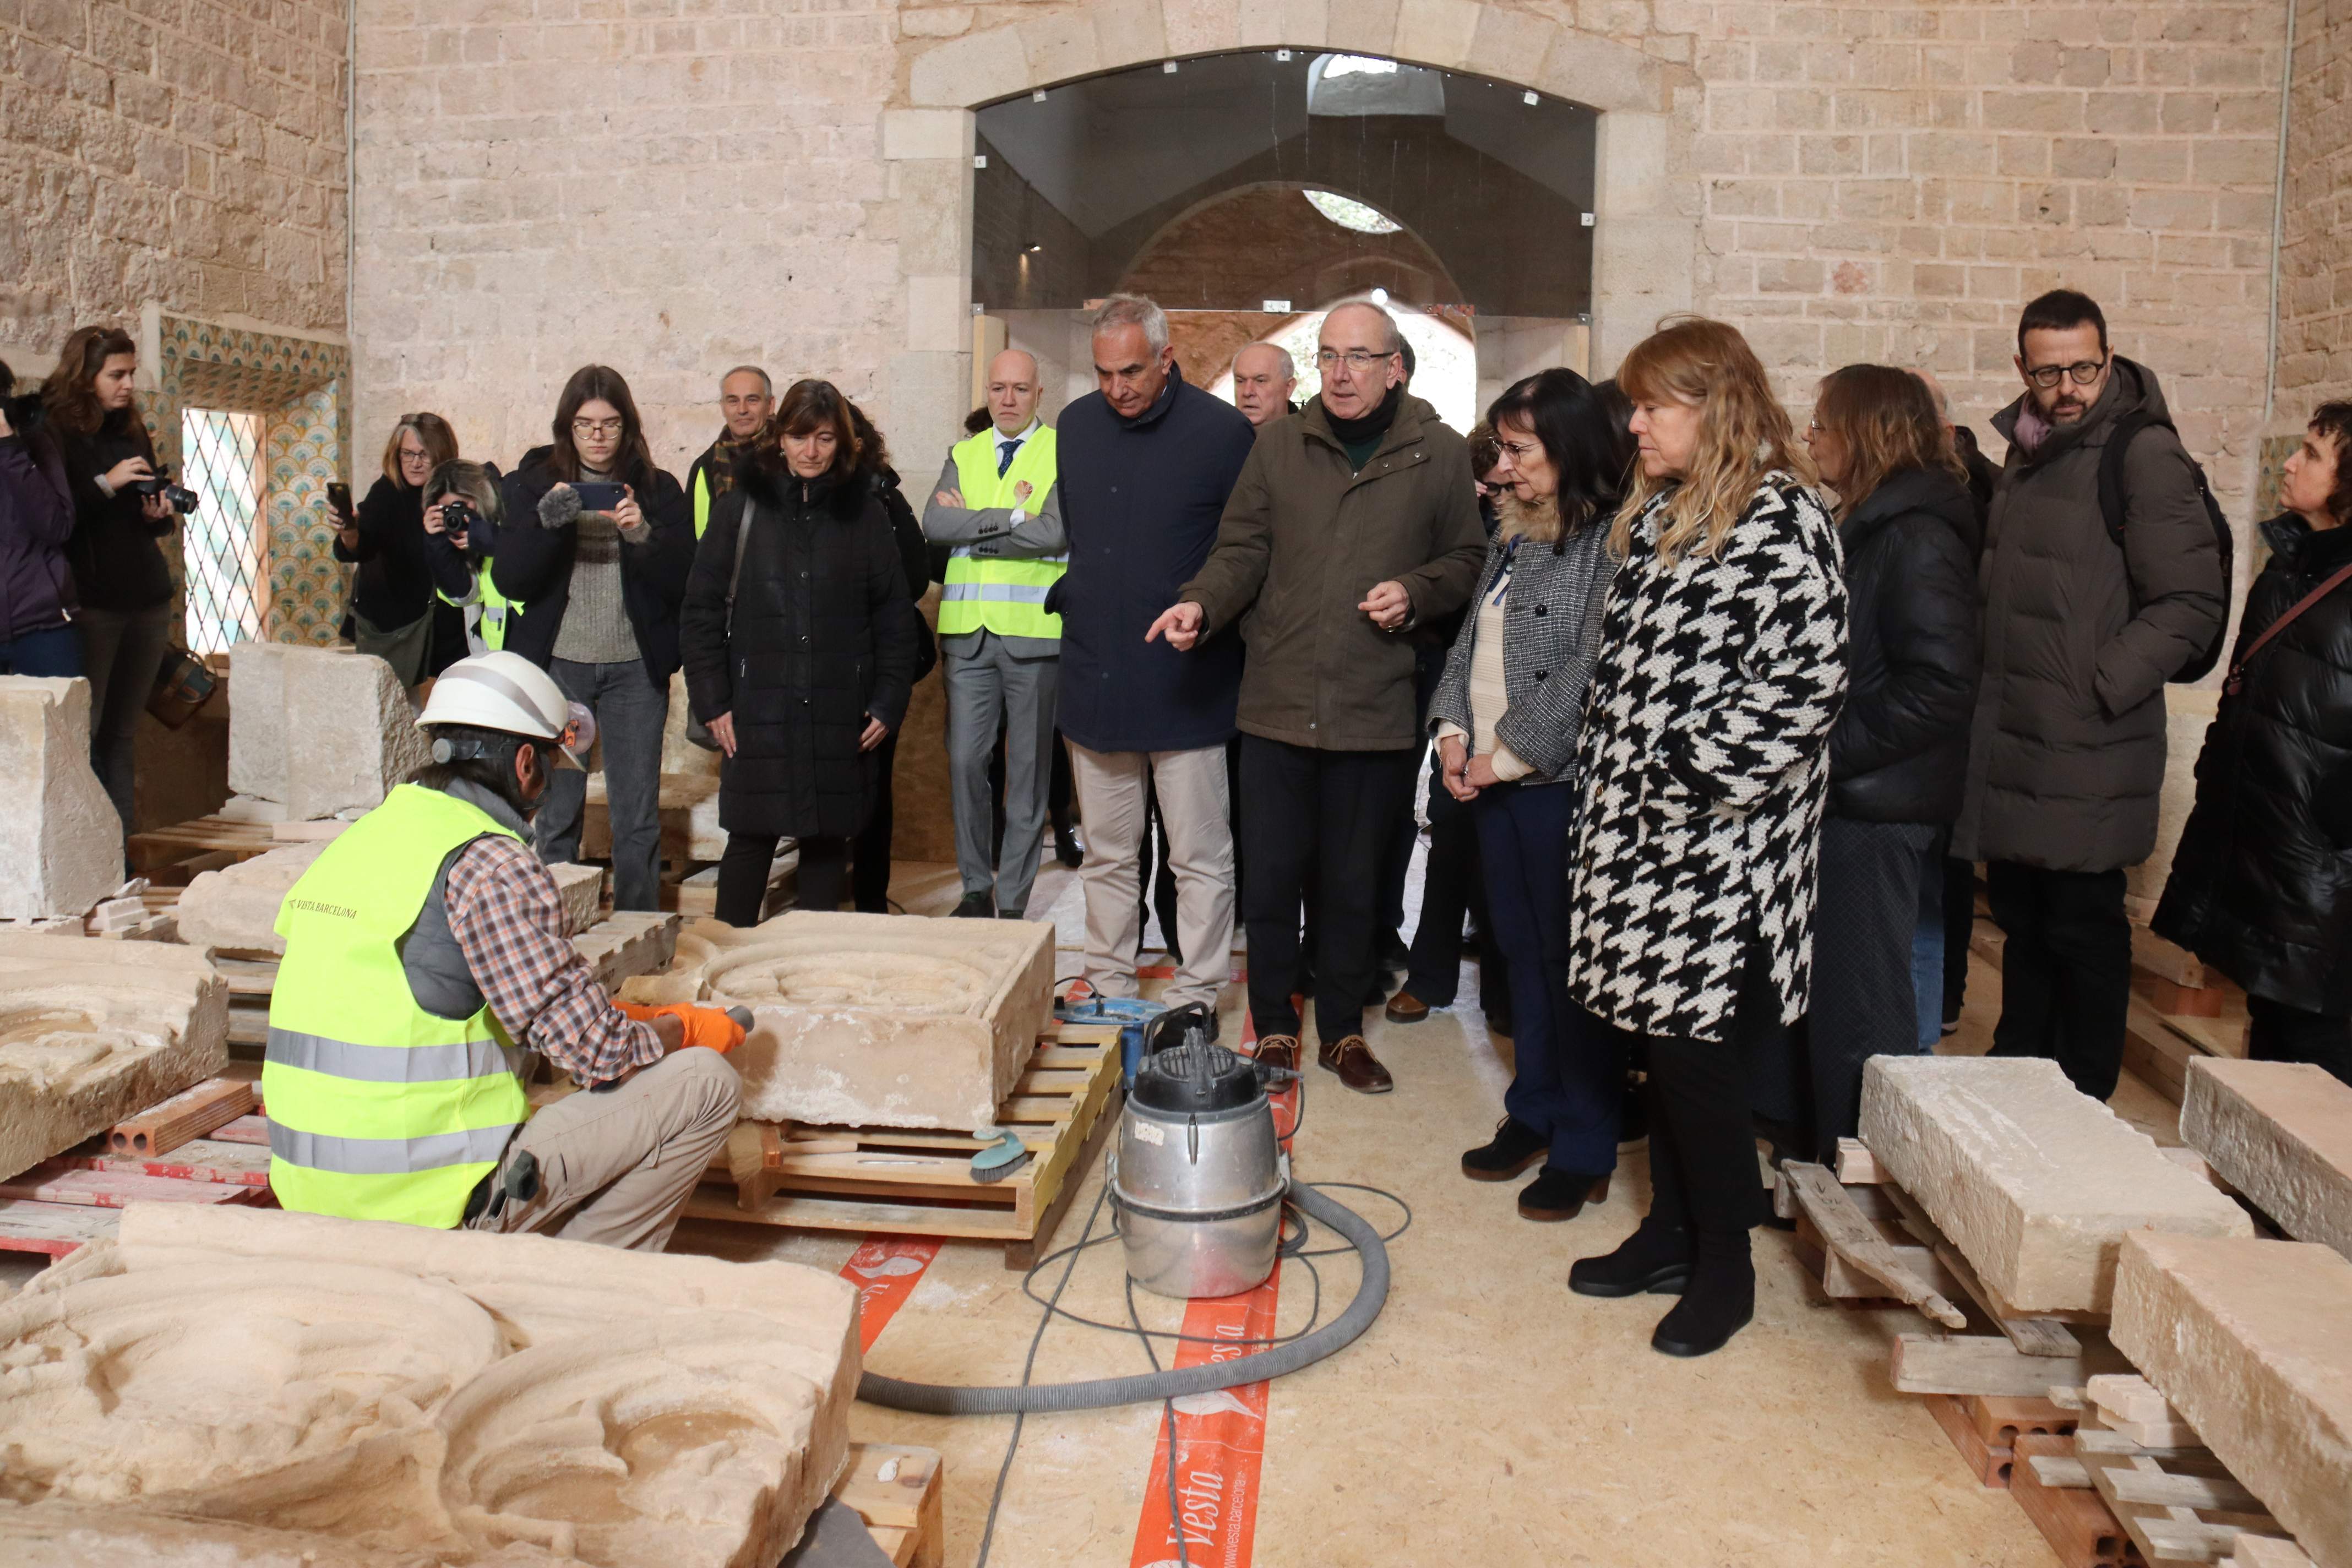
(944, 1399)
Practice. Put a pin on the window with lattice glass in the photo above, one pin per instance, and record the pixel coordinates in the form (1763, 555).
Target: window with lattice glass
(224, 541)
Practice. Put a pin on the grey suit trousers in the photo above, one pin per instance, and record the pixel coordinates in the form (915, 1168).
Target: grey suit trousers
(985, 678)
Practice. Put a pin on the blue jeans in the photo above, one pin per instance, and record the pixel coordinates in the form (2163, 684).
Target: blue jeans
(1927, 950)
(1569, 1072)
(55, 652)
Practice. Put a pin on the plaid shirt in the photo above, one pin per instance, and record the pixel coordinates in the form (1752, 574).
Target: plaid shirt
(507, 919)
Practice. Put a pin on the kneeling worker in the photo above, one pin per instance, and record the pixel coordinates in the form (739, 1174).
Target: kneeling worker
(424, 952)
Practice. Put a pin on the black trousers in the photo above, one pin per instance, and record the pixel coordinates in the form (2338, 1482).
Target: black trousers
(1703, 1174)
(1452, 885)
(2065, 970)
(2284, 1034)
(1336, 811)
(743, 875)
(870, 871)
(1959, 924)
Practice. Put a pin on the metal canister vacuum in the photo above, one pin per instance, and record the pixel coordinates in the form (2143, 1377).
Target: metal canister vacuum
(1199, 1175)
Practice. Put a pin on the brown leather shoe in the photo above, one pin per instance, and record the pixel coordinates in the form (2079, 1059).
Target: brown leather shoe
(1278, 1051)
(1357, 1067)
(1404, 1008)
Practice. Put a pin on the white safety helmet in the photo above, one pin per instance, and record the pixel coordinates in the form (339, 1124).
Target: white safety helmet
(507, 692)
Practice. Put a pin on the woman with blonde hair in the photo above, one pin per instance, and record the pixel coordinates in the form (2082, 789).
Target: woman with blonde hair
(1899, 754)
(394, 614)
(1704, 763)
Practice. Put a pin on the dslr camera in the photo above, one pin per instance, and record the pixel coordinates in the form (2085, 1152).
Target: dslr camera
(182, 498)
(458, 519)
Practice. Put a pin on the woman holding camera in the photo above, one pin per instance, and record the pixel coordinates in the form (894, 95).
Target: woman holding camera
(800, 652)
(120, 509)
(595, 548)
(463, 509)
(395, 614)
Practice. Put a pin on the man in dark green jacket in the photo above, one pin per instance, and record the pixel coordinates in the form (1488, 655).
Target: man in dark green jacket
(2066, 752)
(1353, 519)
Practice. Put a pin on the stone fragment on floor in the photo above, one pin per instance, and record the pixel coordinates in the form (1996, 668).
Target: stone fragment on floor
(422, 1395)
(93, 1032)
(317, 730)
(872, 1020)
(2035, 1182)
(234, 910)
(2279, 1132)
(2252, 1342)
(62, 851)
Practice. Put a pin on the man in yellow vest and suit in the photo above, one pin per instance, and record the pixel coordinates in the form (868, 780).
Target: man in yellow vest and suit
(424, 956)
(997, 505)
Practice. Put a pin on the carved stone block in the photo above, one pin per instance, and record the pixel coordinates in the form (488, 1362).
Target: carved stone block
(93, 1032)
(318, 730)
(2279, 1132)
(261, 1386)
(872, 1020)
(235, 909)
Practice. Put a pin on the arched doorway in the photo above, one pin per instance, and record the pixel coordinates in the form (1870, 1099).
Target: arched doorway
(1249, 191)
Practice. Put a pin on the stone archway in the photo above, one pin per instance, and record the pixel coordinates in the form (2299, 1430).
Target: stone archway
(1644, 247)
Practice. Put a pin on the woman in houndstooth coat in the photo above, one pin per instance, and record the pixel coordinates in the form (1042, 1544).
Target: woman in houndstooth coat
(1705, 761)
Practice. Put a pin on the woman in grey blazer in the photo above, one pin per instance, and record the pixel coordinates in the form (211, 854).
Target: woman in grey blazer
(1506, 715)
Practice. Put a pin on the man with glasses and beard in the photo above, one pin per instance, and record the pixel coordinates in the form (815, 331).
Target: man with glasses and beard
(1354, 522)
(2088, 612)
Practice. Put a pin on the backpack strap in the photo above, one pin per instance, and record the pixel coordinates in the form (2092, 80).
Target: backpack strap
(2111, 467)
(743, 542)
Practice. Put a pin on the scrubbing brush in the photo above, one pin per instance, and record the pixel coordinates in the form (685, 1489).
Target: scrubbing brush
(1003, 1155)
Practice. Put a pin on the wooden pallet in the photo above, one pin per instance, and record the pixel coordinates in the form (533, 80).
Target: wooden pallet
(907, 1183)
(2177, 1505)
(896, 1490)
(217, 840)
(2080, 1528)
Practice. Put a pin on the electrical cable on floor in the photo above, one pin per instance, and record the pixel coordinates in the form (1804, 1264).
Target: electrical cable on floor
(1167, 1425)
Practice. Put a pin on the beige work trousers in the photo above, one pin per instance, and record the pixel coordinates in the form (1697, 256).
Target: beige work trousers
(1193, 803)
(617, 1165)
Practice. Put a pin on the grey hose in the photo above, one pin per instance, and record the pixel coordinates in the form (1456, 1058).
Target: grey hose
(944, 1399)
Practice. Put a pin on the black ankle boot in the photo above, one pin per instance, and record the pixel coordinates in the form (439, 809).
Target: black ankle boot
(1718, 1302)
(1513, 1149)
(1657, 1257)
(1557, 1194)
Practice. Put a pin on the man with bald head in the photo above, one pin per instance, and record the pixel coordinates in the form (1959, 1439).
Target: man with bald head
(1352, 522)
(998, 508)
(1264, 379)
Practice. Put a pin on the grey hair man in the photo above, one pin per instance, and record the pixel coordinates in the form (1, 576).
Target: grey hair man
(1264, 376)
(1351, 523)
(999, 508)
(746, 400)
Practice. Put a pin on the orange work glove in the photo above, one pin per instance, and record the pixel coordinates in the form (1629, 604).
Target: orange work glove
(708, 1027)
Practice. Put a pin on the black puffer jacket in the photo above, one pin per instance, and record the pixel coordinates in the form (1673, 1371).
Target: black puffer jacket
(532, 565)
(117, 564)
(2261, 884)
(1900, 751)
(822, 635)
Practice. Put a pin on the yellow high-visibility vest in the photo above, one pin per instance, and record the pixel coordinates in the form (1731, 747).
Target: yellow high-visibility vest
(1004, 596)
(379, 1109)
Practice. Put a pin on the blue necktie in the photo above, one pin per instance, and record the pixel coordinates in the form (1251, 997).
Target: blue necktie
(1004, 456)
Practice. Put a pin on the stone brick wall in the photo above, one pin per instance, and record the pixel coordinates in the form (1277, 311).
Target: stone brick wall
(186, 152)
(660, 187)
(1892, 182)
(675, 191)
(2315, 253)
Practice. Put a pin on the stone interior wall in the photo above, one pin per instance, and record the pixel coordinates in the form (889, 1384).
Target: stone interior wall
(190, 153)
(674, 192)
(2314, 351)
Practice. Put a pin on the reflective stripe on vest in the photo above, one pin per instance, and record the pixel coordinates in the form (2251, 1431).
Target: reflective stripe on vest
(1004, 596)
(379, 1109)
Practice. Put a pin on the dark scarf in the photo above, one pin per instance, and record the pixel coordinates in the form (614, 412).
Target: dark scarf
(1360, 438)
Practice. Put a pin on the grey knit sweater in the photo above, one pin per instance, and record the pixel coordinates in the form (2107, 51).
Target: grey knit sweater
(595, 628)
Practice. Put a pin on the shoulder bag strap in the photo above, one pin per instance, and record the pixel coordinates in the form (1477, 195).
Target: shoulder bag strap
(743, 542)
(2238, 670)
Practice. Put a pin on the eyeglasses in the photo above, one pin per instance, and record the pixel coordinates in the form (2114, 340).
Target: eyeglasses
(1357, 359)
(2082, 373)
(1521, 451)
(588, 429)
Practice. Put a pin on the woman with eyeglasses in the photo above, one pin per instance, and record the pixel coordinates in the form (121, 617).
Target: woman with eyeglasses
(1900, 751)
(1505, 716)
(595, 548)
(1704, 765)
(396, 613)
